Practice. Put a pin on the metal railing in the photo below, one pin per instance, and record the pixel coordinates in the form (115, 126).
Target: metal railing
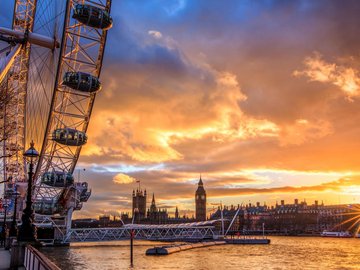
(35, 260)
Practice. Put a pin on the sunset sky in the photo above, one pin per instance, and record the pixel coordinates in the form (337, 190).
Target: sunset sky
(260, 97)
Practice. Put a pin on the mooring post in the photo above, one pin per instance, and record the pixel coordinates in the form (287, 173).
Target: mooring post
(132, 247)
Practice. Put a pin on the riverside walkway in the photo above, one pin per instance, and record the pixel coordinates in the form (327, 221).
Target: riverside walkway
(4, 259)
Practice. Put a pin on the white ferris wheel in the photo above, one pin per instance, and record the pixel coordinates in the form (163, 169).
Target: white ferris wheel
(50, 63)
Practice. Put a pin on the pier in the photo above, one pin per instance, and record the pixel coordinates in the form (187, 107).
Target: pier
(170, 249)
(248, 241)
(166, 250)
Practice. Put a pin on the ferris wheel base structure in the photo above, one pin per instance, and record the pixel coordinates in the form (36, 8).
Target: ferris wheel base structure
(32, 38)
(73, 37)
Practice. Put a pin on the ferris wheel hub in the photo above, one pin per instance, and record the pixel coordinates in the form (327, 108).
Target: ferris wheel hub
(30, 37)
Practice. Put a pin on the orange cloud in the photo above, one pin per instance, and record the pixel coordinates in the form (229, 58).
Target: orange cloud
(317, 69)
(304, 131)
(122, 178)
(223, 101)
(337, 185)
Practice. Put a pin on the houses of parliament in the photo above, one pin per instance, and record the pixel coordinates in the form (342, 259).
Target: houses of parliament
(156, 215)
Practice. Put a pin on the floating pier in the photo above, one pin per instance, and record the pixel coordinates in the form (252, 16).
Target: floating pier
(166, 250)
(248, 241)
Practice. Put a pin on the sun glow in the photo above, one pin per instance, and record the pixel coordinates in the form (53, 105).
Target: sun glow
(352, 221)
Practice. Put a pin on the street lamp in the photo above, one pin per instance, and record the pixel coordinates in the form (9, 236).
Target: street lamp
(5, 206)
(13, 228)
(27, 230)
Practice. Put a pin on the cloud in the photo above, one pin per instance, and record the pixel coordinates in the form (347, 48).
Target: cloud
(121, 178)
(158, 111)
(155, 34)
(174, 6)
(188, 91)
(337, 185)
(317, 69)
(303, 131)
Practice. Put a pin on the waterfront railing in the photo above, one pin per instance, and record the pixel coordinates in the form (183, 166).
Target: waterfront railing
(35, 260)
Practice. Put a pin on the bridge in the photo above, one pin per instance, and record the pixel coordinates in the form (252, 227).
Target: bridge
(195, 231)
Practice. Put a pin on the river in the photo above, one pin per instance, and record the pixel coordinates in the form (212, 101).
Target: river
(283, 253)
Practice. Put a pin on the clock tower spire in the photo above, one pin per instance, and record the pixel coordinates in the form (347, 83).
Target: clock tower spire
(200, 201)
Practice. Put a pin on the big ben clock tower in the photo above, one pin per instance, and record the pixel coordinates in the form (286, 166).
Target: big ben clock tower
(200, 202)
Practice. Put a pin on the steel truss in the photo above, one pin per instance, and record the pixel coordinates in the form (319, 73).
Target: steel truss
(16, 86)
(14, 114)
(152, 232)
(80, 48)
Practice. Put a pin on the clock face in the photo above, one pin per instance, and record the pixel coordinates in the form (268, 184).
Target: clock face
(197, 197)
(202, 197)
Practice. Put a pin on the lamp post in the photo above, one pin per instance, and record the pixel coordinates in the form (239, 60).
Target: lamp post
(27, 230)
(132, 236)
(13, 228)
(5, 205)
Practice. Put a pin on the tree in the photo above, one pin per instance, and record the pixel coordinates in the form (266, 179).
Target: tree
(6, 129)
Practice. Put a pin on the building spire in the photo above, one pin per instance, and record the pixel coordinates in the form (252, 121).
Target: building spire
(200, 181)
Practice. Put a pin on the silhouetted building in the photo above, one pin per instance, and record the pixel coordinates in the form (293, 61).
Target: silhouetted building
(155, 215)
(139, 204)
(104, 221)
(200, 202)
(288, 219)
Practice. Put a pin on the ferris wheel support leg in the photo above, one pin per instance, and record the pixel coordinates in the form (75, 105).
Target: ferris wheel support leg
(69, 219)
(9, 60)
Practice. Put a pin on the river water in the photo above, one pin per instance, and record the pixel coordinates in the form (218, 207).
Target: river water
(283, 253)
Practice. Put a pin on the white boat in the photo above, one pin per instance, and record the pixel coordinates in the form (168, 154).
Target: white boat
(336, 234)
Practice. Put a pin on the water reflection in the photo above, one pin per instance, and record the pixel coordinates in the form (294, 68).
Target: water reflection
(282, 253)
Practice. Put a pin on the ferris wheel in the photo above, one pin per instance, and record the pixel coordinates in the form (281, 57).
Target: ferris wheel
(49, 70)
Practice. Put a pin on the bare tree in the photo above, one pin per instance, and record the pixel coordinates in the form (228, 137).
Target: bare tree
(6, 129)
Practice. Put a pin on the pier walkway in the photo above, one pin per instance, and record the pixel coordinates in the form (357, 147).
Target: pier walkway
(196, 231)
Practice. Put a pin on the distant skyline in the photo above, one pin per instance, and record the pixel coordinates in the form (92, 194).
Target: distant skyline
(260, 97)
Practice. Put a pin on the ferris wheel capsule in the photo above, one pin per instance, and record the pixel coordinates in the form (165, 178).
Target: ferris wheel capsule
(93, 16)
(57, 179)
(69, 136)
(47, 207)
(82, 82)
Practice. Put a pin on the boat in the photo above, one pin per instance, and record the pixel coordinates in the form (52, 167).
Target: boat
(336, 234)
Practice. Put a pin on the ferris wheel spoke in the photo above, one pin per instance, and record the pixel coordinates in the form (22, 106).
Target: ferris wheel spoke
(48, 22)
(40, 82)
(44, 61)
(43, 15)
